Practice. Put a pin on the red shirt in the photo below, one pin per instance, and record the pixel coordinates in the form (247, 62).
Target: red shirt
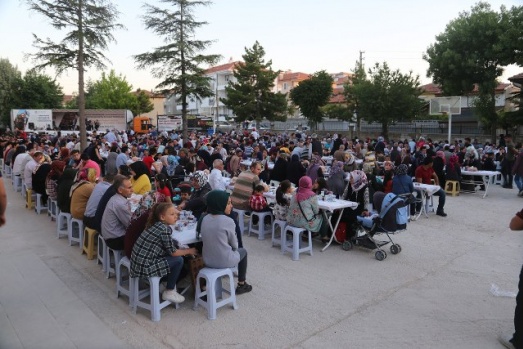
(148, 161)
(165, 191)
(258, 202)
(424, 174)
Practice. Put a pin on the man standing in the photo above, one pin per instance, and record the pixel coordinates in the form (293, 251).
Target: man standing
(424, 174)
(117, 214)
(516, 340)
(216, 178)
(508, 162)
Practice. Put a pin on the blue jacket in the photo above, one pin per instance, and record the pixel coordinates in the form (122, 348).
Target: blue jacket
(402, 184)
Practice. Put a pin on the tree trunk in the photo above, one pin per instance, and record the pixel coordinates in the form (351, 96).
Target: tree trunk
(81, 92)
(385, 130)
(183, 87)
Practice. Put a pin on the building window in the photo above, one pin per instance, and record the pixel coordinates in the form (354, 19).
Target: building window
(284, 86)
(227, 77)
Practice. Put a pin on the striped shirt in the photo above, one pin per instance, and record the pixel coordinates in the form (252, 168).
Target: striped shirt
(243, 189)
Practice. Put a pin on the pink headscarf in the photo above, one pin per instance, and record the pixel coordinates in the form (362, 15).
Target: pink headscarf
(304, 189)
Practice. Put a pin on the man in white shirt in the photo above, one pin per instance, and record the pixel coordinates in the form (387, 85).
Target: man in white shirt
(216, 180)
(30, 167)
(255, 134)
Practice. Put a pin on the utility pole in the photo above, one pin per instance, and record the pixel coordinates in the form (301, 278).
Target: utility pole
(358, 120)
(361, 58)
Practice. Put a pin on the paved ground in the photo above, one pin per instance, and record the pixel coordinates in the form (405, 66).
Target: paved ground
(434, 294)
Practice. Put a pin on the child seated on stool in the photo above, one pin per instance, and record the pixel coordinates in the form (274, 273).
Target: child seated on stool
(258, 203)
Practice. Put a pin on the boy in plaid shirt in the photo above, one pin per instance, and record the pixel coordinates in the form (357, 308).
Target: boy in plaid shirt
(258, 202)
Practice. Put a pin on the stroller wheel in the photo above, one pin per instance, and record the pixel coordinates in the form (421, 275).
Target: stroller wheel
(347, 245)
(395, 249)
(380, 255)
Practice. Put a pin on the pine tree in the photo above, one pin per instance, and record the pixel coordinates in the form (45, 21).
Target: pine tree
(251, 96)
(178, 61)
(91, 23)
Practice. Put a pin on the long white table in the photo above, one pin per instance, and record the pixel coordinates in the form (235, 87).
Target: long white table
(247, 163)
(331, 206)
(186, 236)
(486, 177)
(426, 191)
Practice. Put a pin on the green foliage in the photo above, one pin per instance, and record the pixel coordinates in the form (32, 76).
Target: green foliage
(110, 92)
(143, 103)
(87, 27)
(358, 76)
(10, 82)
(179, 61)
(312, 94)
(250, 97)
(473, 49)
(337, 111)
(387, 97)
(39, 91)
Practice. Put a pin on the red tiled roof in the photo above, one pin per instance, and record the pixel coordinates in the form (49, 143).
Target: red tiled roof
(337, 98)
(516, 78)
(149, 94)
(226, 66)
(294, 77)
(436, 90)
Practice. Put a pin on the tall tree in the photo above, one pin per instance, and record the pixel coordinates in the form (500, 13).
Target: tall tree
(387, 96)
(473, 50)
(312, 94)
(39, 91)
(143, 103)
(10, 83)
(251, 96)
(179, 61)
(91, 23)
(110, 92)
(358, 76)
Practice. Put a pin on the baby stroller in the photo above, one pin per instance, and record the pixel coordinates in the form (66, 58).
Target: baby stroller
(392, 217)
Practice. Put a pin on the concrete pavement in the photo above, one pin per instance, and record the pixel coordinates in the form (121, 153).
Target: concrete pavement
(434, 294)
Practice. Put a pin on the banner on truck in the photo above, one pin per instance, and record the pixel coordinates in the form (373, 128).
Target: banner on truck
(32, 120)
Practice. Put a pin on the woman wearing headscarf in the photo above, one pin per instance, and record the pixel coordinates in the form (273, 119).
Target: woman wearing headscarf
(314, 171)
(39, 178)
(197, 201)
(388, 174)
(453, 169)
(350, 163)
(304, 211)
(51, 182)
(64, 187)
(402, 184)
(357, 191)
(140, 178)
(295, 169)
(218, 234)
(279, 172)
(336, 181)
(438, 166)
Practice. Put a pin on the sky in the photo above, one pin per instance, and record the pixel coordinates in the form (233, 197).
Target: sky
(298, 35)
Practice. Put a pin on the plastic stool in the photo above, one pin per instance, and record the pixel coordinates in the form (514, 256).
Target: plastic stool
(8, 171)
(17, 183)
(155, 304)
(294, 247)
(88, 245)
(117, 255)
(71, 233)
(281, 240)
(38, 204)
(120, 282)
(62, 219)
(452, 187)
(30, 199)
(214, 291)
(498, 179)
(24, 190)
(241, 218)
(261, 224)
(102, 252)
(52, 209)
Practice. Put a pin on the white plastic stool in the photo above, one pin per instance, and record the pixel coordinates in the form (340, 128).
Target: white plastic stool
(101, 253)
(241, 218)
(73, 237)
(61, 220)
(261, 224)
(155, 304)
(281, 240)
(52, 209)
(8, 171)
(17, 183)
(24, 190)
(121, 283)
(214, 291)
(39, 207)
(294, 247)
(109, 267)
